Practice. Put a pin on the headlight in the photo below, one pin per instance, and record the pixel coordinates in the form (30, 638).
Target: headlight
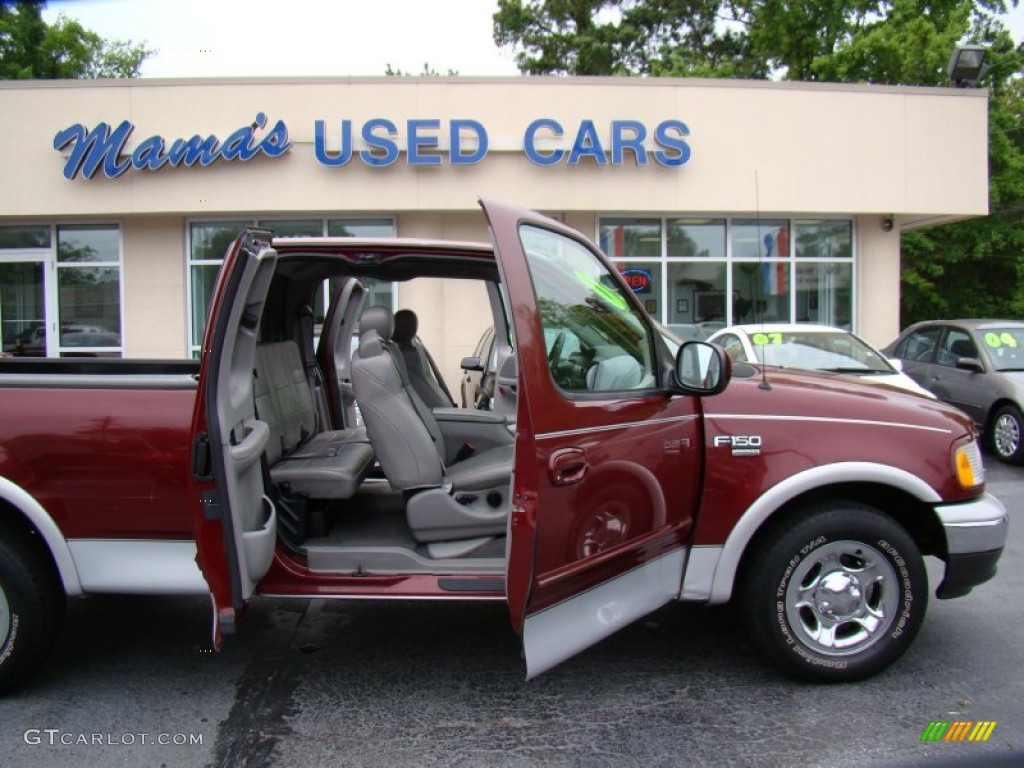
(970, 471)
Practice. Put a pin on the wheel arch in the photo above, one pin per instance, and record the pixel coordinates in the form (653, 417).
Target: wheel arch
(993, 410)
(22, 509)
(895, 492)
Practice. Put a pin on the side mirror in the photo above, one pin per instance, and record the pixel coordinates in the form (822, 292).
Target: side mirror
(969, 364)
(471, 364)
(702, 368)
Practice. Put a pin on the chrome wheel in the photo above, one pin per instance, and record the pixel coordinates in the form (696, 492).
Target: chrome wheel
(1006, 434)
(842, 598)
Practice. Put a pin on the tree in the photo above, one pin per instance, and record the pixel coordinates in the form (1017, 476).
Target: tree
(895, 42)
(31, 48)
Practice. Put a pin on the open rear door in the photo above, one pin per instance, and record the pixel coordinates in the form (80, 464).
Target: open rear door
(606, 458)
(235, 521)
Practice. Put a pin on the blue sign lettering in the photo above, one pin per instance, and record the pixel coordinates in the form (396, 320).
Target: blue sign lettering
(102, 148)
(380, 144)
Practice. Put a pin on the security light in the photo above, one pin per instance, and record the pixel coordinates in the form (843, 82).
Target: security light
(967, 65)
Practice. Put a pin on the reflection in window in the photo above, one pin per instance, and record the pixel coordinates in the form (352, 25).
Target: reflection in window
(596, 339)
(824, 239)
(28, 236)
(631, 237)
(760, 292)
(88, 289)
(824, 294)
(696, 238)
(760, 238)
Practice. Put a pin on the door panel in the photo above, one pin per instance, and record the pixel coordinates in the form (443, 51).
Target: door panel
(235, 521)
(607, 460)
(23, 308)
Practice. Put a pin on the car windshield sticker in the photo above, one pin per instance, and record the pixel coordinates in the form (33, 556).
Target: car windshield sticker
(761, 339)
(996, 340)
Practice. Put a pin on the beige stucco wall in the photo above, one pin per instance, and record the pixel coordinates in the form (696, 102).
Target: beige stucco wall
(812, 147)
(153, 273)
(792, 149)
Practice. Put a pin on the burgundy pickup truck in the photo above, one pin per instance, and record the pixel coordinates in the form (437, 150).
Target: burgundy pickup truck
(628, 471)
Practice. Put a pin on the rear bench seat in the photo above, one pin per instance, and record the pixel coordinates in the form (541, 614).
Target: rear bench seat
(318, 465)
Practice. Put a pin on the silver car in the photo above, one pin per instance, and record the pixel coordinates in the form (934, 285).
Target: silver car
(976, 365)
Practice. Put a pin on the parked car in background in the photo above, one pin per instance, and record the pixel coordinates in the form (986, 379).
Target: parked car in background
(813, 347)
(976, 365)
(478, 372)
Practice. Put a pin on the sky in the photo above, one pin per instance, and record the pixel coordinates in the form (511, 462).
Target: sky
(254, 38)
(257, 38)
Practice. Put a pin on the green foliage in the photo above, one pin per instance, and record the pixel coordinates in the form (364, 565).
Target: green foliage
(428, 71)
(969, 268)
(32, 49)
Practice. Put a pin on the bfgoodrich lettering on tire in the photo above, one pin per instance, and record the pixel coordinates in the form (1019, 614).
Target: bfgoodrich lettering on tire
(836, 595)
(31, 604)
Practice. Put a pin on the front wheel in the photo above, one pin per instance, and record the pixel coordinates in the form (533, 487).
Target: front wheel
(837, 596)
(1005, 435)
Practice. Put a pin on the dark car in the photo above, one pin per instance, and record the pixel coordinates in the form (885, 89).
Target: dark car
(976, 365)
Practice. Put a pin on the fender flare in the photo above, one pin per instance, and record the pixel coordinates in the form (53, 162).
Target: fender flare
(23, 502)
(775, 497)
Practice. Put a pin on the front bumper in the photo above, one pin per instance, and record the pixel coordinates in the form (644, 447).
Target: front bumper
(975, 536)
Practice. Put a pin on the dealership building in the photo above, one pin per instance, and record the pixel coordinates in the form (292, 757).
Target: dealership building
(721, 201)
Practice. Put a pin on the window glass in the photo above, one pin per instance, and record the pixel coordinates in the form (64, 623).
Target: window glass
(294, 227)
(204, 276)
(824, 294)
(630, 237)
(919, 346)
(27, 236)
(1005, 347)
(701, 238)
(90, 306)
(733, 346)
(644, 277)
(88, 243)
(596, 340)
(22, 308)
(697, 303)
(210, 239)
(760, 292)
(824, 239)
(760, 238)
(955, 344)
(360, 227)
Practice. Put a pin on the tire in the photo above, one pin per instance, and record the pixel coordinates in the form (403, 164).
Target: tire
(836, 596)
(1005, 435)
(31, 605)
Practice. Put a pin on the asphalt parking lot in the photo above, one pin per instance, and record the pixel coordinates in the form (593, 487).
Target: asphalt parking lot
(423, 684)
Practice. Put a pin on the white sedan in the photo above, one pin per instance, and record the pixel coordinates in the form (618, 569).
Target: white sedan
(813, 347)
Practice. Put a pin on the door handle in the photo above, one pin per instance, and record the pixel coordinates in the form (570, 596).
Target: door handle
(567, 466)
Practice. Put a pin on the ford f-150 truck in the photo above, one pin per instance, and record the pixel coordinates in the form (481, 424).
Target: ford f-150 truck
(628, 471)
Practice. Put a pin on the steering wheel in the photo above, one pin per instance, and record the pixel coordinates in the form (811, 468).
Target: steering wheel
(556, 349)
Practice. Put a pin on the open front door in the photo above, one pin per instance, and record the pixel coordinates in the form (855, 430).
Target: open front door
(235, 521)
(606, 459)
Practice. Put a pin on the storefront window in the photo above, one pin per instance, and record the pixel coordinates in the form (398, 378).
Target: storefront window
(760, 292)
(644, 277)
(760, 238)
(824, 239)
(824, 294)
(29, 236)
(89, 289)
(209, 241)
(696, 238)
(720, 271)
(631, 237)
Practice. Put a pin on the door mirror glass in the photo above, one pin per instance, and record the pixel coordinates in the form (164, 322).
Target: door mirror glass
(702, 368)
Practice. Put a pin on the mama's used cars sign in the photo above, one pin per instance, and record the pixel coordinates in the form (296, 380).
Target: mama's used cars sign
(377, 142)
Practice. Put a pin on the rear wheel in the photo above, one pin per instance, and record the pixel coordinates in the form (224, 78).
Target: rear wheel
(31, 605)
(1005, 435)
(837, 596)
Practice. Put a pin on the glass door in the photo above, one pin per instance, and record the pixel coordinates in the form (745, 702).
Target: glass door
(23, 308)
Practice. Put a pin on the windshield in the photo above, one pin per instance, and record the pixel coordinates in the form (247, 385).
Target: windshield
(818, 350)
(1005, 347)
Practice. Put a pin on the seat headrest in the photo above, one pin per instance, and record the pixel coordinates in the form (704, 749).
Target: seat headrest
(379, 319)
(406, 325)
